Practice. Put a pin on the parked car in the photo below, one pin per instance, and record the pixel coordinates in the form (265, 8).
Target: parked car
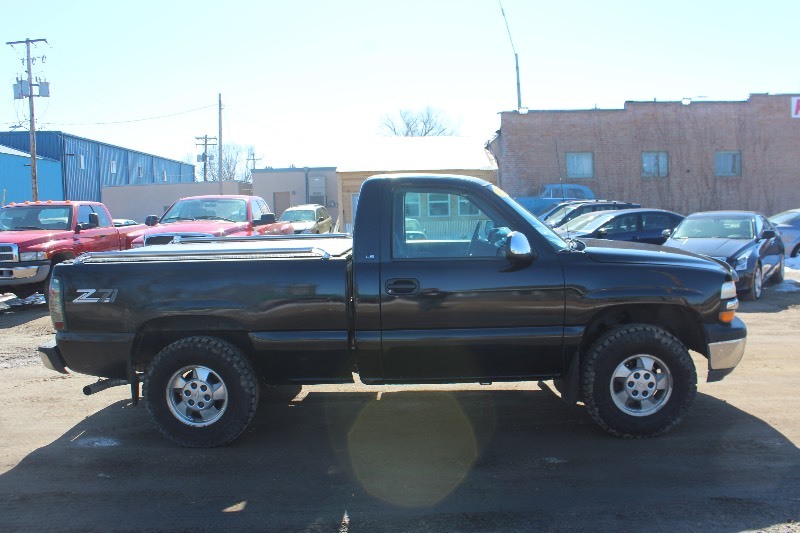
(554, 193)
(212, 216)
(637, 225)
(745, 240)
(575, 209)
(308, 218)
(788, 224)
(122, 222)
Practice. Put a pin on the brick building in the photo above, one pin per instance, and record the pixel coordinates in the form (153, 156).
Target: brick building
(683, 156)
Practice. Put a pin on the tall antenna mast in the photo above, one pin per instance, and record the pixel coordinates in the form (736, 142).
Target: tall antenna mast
(516, 57)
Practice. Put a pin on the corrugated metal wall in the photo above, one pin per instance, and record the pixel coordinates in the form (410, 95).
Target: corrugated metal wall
(15, 179)
(89, 165)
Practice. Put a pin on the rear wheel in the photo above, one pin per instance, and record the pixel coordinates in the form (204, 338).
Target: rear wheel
(638, 381)
(201, 392)
(780, 272)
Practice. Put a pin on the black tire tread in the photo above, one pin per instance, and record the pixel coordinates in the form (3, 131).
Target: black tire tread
(229, 355)
(636, 334)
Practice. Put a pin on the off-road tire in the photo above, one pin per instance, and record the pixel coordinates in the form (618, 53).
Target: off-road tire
(207, 363)
(670, 366)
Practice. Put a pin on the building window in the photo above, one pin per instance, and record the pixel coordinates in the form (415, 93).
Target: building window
(412, 204)
(467, 208)
(438, 205)
(164, 173)
(580, 164)
(654, 165)
(728, 163)
(113, 167)
(140, 171)
(81, 162)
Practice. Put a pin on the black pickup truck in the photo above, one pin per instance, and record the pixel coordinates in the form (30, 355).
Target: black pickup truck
(445, 279)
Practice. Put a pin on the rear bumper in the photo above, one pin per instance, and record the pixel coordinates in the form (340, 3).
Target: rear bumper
(726, 346)
(51, 357)
(103, 355)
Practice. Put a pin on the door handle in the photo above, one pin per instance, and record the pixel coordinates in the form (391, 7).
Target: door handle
(402, 287)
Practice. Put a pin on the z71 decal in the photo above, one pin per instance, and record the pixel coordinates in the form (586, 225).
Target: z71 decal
(96, 296)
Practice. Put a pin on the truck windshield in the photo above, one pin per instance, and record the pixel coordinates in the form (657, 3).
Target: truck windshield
(35, 217)
(230, 209)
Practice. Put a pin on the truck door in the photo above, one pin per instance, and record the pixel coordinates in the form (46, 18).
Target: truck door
(95, 238)
(453, 307)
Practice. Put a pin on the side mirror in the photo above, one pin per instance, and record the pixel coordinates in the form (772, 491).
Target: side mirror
(519, 249)
(268, 218)
(321, 219)
(151, 220)
(769, 234)
(667, 233)
(94, 220)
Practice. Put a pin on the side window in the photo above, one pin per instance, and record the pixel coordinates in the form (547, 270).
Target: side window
(105, 222)
(623, 224)
(656, 221)
(439, 224)
(760, 226)
(83, 214)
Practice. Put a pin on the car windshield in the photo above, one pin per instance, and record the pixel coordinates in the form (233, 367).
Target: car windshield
(35, 217)
(230, 209)
(715, 228)
(787, 217)
(297, 215)
(588, 221)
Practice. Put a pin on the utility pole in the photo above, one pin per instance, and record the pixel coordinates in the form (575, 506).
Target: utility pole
(252, 159)
(21, 91)
(204, 157)
(516, 57)
(219, 163)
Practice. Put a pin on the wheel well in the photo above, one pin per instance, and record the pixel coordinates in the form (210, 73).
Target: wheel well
(684, 324)
(155, 335)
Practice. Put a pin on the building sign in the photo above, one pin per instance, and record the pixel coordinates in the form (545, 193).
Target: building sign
(795, 106)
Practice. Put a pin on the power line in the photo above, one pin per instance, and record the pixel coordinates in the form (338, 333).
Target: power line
(132, 120)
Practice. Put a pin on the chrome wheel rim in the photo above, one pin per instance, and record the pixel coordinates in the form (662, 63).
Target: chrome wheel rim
(641, 385)
(758, 283)
(197, 396)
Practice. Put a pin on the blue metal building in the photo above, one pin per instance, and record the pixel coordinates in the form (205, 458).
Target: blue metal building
(87, 166)
(15, 177)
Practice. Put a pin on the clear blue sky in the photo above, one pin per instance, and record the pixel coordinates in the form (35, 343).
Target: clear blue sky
(302, 81)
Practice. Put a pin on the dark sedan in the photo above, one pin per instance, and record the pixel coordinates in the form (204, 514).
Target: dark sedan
(636, 225)
(745, 240)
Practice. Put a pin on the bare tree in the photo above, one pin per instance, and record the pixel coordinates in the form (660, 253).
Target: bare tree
(234, 164)
(425, 123)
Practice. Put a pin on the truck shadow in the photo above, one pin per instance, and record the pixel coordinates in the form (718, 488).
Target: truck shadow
(501, 460)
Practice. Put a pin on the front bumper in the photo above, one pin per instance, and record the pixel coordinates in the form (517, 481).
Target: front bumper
(726, 346)
(23, 273)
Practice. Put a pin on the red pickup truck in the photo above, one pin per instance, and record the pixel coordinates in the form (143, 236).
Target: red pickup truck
(213, 216)
(34, 236)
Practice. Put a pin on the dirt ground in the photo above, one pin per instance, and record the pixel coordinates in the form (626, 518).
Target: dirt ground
(448, 458)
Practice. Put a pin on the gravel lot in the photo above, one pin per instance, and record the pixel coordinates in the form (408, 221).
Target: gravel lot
(449, 458)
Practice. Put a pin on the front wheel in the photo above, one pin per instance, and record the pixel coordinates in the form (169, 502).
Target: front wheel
(638, 381)
(201, 392)
(757, 287)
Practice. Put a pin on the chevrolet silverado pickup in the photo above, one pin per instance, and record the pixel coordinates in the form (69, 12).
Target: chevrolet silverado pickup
(34, 236)
(491, 294)
(212, 216)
